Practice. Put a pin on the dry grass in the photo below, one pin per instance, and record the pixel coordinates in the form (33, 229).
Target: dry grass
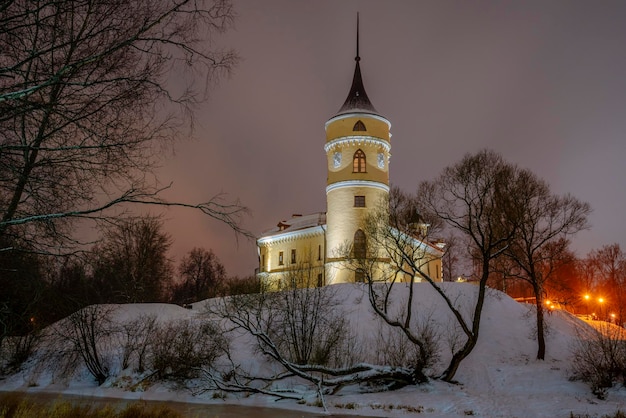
(13, 405)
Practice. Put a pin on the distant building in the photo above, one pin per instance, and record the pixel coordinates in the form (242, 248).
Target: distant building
(358, 146)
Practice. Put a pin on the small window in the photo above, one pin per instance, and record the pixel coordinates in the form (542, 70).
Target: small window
(293, 256)
(320, 280)
(359, 126)
(263, 262)
(280, 259)
(358, 162)
(319, 252)
(359, 201)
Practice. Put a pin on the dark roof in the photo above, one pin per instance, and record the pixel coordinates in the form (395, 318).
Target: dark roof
(357, 100)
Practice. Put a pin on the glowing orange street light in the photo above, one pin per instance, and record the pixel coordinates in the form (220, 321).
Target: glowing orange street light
(601, 300)
(587, 297)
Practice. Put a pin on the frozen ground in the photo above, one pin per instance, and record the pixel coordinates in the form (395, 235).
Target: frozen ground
(501, 378)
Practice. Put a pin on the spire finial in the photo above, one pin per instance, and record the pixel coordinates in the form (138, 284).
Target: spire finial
(357, 100)
(357, 58)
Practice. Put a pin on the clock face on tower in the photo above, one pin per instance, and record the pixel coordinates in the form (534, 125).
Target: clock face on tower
(337, 159)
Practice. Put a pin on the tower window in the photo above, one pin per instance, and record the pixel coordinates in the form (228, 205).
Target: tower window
(359, 201)
(280, 259)
(293, 256)
(360, 244)
(319, 252)
(358, 162)
(359, 126)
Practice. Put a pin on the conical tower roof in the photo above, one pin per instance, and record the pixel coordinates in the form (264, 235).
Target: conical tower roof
(357, 100)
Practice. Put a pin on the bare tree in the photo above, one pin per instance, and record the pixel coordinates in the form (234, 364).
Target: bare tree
(397, 254)
(542, 222)
(22, 306)
(566, 287)
(136, 339)
(452, 262)
(87, 106)
(472, 198)
(84, 335)
(608, 264)
(303, 335)
(588, 273)
(202, 276)
(302, 326)
(131, 264)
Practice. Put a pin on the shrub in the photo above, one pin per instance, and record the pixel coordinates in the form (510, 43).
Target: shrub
(599, 358)
(85, 336)
(393, 347)
(181, 348)
(136, 339)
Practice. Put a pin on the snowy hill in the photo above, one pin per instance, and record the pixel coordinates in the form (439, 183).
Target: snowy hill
(501, 377)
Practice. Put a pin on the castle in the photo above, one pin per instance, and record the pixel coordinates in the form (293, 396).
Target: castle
(358, 149)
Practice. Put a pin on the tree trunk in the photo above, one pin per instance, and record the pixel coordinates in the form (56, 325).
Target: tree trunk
(541, 340)
(457, 358)
(472, 338)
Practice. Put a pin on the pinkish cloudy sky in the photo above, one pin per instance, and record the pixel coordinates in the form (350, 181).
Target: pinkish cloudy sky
(541, 82)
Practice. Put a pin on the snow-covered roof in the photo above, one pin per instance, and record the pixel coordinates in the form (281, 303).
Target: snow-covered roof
(296, 223)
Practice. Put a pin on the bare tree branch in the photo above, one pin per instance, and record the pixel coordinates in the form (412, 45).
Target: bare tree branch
(86, 107)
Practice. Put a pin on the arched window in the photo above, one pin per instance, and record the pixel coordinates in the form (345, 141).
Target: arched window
(360, 244)
(358, 162)
(359, 126)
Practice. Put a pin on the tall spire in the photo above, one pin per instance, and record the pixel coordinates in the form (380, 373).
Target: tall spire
(358, 58)
(357, 100)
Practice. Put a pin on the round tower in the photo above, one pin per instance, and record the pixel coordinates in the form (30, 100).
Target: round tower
(358, 150)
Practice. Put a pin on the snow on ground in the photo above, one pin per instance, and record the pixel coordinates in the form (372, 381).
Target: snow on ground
(501, 378)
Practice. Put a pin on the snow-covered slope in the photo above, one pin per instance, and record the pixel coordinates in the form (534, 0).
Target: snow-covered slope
(501, 378)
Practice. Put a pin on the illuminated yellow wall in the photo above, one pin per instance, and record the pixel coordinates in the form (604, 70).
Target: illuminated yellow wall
(310, 253)
(343, 216)
(339, 126)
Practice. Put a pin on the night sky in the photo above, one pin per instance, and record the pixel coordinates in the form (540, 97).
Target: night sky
(541, 82)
